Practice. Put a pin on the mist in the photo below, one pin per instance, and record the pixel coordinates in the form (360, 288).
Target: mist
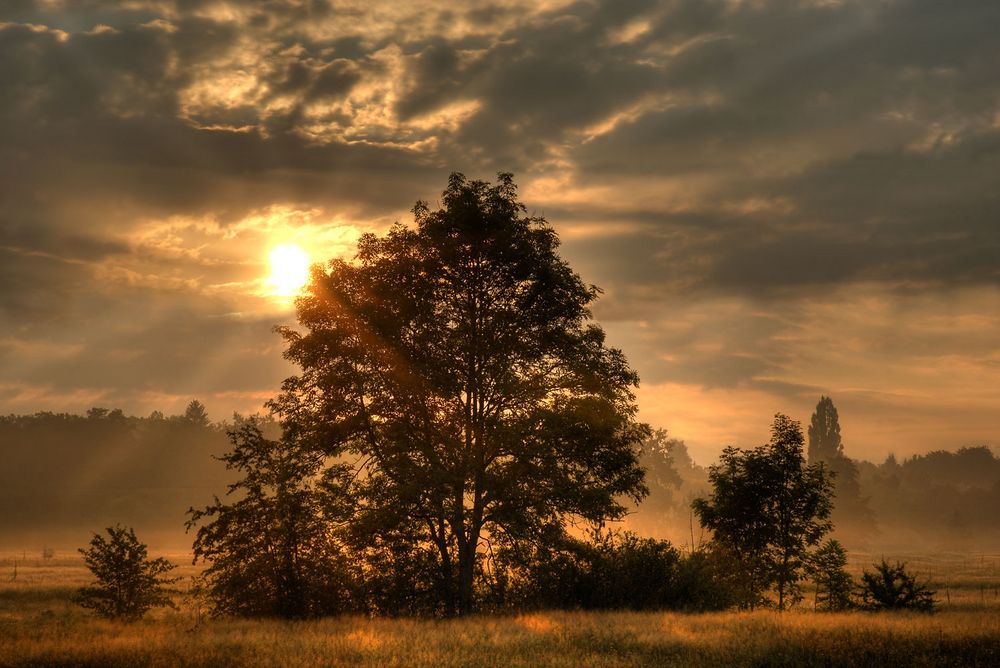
(66, 476)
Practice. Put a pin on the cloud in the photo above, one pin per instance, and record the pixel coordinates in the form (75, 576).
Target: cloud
(756, 185)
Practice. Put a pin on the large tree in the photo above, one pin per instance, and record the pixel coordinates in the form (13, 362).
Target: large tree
(767, 509)
(457, 364)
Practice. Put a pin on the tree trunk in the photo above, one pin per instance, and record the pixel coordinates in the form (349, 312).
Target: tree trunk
(466, 577)
(467, 570)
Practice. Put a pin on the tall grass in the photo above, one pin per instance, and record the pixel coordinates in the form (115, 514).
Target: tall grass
(40, 627)
(541, 639)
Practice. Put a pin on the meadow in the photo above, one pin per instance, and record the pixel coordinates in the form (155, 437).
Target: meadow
(40, 626)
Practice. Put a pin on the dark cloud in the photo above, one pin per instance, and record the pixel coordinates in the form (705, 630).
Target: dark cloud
(730, 172)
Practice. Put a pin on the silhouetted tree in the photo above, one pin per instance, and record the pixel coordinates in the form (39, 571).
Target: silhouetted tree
(157, 464)
(824, 432)
(195, 413)
(825, 445)
(128, 582)
(458, 363)
(891, 587)
(657, 457)
(767, 509)
(827, 568)
(97, 413)
(269, 550)
(674, 481)
(947, 497)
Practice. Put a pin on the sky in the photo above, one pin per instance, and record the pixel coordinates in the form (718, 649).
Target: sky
(780, 199)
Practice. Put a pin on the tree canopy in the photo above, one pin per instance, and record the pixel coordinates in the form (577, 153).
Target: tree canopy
(456, 363)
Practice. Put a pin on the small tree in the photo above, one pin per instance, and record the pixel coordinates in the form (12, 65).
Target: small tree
(890, 587)
(195, 413)
(269, 548)
(833, 583)
(128, 582)
(767, 509)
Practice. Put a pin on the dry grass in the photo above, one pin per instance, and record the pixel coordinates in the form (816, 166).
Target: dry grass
(39, 626)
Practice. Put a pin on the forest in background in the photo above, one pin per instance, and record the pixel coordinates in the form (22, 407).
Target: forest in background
(64, 476)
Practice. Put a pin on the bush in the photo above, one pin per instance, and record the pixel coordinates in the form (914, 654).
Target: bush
(618, 571)
(633, 572)
(704, 581)
(890, 587)
(128, 583)
(398, 578)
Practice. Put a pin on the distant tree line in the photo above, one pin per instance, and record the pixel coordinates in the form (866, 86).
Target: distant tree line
(62, 471)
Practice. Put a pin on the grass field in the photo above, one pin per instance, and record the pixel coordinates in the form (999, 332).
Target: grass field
(39, 626)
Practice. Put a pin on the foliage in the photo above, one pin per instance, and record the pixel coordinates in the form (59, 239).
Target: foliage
(891, 587)
(457, 363)
(657, 455)
(946, 497)
(615, 570)
(674, 481)
(826, 567)
(128, 582)
(195, 413)
(269, 549)
(157, 464)
(766, 510)
(851, 509)
(824, 432)
(705, 580)
(399, 576)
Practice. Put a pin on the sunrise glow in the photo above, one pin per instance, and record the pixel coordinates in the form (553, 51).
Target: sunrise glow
(289, 270)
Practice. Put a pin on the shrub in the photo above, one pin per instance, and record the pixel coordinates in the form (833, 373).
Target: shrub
(618, 571)
(890, 587)
(128, 583)
(704, 581)
(633, 572)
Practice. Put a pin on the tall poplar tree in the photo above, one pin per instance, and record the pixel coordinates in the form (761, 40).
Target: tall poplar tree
(824, 433)
(851, 509)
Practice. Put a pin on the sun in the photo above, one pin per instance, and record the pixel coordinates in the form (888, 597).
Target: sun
(289, 270)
